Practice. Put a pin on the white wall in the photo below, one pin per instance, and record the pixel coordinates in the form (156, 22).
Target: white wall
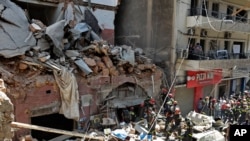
(182, 12)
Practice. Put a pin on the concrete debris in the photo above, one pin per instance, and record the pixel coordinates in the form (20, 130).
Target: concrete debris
(16, 37)
(6, 114)
(64, 49)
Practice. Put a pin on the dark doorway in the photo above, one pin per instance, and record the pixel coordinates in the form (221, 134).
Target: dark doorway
(56, 121)
(222, 90)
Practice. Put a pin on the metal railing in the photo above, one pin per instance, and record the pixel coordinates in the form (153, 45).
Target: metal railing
(214, 56)
(217, 14)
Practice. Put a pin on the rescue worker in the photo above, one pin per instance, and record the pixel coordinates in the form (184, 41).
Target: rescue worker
(247, 117)
(237, 111)
(151, 119)
(177, 118)
(229, 116)
(242, 118)
(174, 107)
(168, 103)
(172, 114)
(125, 115)
(132, 114)
(217, 109)
(168, 120)
(188, 134)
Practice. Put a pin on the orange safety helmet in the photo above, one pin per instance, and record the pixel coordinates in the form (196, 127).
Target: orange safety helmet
(164, 90)
(152, 101)
(170, 95)
(214, 100)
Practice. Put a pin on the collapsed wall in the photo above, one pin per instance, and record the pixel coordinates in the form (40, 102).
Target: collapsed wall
(6, 114)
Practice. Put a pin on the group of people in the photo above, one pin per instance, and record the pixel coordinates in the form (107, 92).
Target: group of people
(172, 112)
(234, 109)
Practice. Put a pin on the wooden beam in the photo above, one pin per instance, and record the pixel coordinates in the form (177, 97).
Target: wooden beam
(38, 2)
(52, 130)
(94, 5)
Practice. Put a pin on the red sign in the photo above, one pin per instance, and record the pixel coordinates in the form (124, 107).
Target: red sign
(203, 78)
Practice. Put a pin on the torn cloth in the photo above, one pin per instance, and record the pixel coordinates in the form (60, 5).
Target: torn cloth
(69, 93)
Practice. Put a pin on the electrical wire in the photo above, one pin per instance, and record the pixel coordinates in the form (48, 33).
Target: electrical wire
(172, 84)
(209, 22)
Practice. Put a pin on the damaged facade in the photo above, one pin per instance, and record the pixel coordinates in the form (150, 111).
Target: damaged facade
(67, 68)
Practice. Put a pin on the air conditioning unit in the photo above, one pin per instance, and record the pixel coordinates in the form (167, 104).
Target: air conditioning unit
(191, 31)
(227, 35)
(203, 33)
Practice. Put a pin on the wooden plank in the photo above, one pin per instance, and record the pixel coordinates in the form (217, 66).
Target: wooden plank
(52, 130)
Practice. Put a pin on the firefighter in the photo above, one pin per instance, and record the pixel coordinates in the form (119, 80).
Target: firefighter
(247, 117)
(168, 103)
(125, 115)
(151, 119)
(148, 104)
(188, 134)
(132, 114)
(242, 118)
(174, 107)
(168, 120)
(228, 114)
(236, 110)
(177, 118)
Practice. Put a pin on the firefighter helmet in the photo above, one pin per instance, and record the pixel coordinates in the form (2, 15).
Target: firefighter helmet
(170, 95)
(177, 111)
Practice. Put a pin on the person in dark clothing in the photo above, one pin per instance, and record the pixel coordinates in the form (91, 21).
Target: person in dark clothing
(200, 105)
(125, 115)
(132, 114)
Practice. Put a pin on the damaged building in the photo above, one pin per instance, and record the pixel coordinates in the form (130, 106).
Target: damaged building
(63, 74)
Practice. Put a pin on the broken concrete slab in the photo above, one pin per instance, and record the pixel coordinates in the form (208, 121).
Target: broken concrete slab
(83, 66)
(14, 31)
(56, 33)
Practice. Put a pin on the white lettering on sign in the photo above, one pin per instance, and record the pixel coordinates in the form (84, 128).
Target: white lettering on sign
(204, 76)
(240, 132)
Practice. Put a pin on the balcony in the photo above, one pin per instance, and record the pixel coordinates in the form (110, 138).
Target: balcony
(218, 20)
(231, 68)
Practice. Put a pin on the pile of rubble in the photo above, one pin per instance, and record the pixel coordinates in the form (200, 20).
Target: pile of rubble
(39, 49)
(32, 51)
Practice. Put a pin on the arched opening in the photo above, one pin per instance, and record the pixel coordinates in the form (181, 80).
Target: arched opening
(125, 97)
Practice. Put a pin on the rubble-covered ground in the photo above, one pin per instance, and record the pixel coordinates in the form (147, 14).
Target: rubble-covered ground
(31, 51)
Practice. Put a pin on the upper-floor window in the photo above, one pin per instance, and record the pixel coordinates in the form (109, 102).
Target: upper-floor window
(229, 12)
(204, 8)
(241, 15)
(215, 10)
